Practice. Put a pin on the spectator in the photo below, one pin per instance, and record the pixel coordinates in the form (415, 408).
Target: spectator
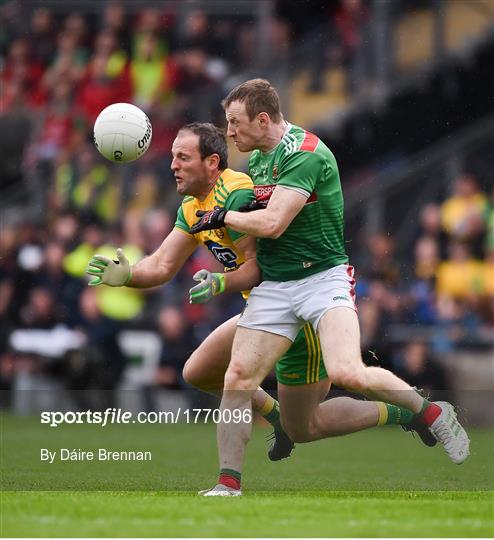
(421, 309)
(40, 310)
(57, 123)
(96, 193)
(178, 344)
(461, 275)
(431, 226)
(69, 63)
(426, 258)
(114, 22)
(22, 73)
(457, 325)
(350, 21)
(416, 366)
(42, 35)
(99, 364)
(199, 93)
(75, 24)
(65, 229)
(488, 273)
(121, 304)
(196, 32)
(152, 73)
(117, 60)
(151, 22)
(383, 263)
(64, 288)
(156, 226)
(462, 213)
(98, 89)
(92, 236)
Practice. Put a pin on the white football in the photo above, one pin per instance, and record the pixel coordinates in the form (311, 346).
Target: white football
(122, 132)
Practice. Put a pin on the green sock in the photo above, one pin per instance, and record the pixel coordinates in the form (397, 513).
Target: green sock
(391, 414)
(231, 472)
(271, 412)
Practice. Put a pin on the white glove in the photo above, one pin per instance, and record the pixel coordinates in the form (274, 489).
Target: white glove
(108, 271)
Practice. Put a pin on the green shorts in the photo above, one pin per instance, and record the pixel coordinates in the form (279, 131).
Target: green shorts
(302, 363)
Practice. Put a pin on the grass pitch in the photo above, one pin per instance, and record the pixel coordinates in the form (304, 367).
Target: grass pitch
(304, 514)
(380, 482)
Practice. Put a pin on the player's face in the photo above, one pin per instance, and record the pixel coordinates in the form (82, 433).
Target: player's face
(246, 133)
(191, 173)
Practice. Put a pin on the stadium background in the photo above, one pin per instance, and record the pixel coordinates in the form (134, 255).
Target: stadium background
(401, 91)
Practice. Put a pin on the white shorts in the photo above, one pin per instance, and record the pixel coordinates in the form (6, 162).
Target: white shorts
(283, 307)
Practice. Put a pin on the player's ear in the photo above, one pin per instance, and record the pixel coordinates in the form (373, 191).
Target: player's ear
(213, 161)
(263, 119)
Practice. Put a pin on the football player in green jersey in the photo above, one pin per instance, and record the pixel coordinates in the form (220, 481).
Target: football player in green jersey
(202, 176)
(307, 278)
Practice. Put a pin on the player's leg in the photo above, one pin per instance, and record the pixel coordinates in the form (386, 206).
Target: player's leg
(254, 353)
(306, 419)
(327, 301)
(339, 334)
(206, 367)
(303, 385)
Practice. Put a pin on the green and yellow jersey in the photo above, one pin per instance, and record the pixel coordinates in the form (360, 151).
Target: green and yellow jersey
(232, 190)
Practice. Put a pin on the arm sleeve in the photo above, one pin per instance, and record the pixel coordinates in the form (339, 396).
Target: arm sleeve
(234, 201)
(301, 171)
(180, 222)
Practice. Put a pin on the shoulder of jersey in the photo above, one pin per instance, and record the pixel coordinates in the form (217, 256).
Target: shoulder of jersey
(300, 141)
(187, 199)
(232, 180)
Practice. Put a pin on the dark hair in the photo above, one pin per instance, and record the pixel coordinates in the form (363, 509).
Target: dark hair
(258, 96)
(212, 140)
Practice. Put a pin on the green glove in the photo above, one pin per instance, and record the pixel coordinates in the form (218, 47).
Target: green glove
(210, 285)
(110, 272)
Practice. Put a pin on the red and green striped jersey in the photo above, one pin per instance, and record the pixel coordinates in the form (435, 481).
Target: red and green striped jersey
(314, 240)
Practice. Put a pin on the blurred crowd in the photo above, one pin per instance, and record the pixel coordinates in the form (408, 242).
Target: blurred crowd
(57, 72)
(441, 298)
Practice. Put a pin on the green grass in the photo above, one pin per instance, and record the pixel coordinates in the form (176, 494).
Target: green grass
(376, 483)
(49, 514)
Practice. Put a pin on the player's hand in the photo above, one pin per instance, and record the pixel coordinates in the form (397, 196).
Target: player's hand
(252, 205)
(212, 219)
(210, 285)
(114, 273)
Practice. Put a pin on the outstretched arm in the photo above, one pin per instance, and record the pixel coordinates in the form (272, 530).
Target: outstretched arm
(161, 266)
(154, 270)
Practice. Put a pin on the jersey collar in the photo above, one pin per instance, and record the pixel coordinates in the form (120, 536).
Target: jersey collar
(287, 131)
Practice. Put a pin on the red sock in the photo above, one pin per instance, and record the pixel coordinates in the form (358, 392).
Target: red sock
(429, 414)
(229, 480)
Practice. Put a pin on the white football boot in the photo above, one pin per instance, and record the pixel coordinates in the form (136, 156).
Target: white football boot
(220, 491)
(448, 431)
